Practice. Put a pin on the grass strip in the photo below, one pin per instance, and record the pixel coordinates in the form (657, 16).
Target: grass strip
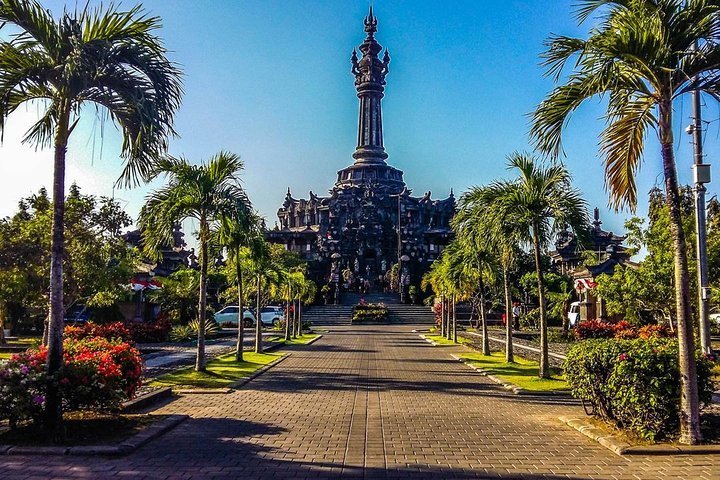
(440, 340)
(302, 339)
(220, 372)
(523, 373)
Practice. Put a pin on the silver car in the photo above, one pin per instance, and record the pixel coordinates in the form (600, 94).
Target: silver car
(229, 316)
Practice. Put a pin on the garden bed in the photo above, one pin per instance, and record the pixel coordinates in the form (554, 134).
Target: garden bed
(523, 373)
(82, 428)
(221, 372)
(370, 313)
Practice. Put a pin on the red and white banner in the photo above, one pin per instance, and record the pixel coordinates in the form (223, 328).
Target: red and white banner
(582, 284)
(137, 285)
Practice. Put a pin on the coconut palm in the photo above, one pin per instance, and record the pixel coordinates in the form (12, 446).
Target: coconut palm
(102, 57)
(206, 193)
(642, 55)
(486, 227)
(234, 234)
(479, 258)
(538, 204)
(265, 265)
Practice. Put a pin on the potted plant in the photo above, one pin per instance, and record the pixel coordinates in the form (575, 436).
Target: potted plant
(413, 292)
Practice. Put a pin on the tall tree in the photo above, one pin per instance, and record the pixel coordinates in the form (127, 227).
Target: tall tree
(538, 203)
(641, 55)
(207, 193)
(478, 218)
(234, 233)
(105, 57)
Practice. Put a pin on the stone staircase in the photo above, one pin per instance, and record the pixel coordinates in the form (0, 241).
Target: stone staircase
(328, 314)
(342, 314)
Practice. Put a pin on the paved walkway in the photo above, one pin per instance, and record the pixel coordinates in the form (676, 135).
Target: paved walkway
(372, 402)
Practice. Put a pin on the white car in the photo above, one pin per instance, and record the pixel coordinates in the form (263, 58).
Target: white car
(229, 315)
(271, 315)
(574, 314)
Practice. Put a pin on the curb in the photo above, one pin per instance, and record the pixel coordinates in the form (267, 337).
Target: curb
(143, 401)
(428, 340)
(202, 391)
(511, 386)
(243, 381)
(621, 447)
(130, 445)
(314, 339)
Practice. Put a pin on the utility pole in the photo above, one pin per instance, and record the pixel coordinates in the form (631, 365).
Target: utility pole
(701, 176)
(401, 287)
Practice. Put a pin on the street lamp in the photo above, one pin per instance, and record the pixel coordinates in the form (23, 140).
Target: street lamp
(335, 275)
(404, 276)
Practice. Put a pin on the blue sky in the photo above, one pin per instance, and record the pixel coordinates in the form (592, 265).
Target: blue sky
(270, 80)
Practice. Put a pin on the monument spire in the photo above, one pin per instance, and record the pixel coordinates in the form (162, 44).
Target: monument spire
(370, 71)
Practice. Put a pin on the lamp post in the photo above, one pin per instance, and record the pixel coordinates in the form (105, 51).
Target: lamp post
(335, 275)
(701, 176)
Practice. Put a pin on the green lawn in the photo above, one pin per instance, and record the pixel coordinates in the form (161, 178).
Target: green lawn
(302, 339)
(221, 372)
(439, 339)
(523, 373)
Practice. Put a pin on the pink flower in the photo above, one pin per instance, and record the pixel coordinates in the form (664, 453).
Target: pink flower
(623, 356)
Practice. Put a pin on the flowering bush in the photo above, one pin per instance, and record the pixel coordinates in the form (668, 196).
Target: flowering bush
(22, 387)
(621, 330)
(595, 329)
(633, 383)
(149, 332)
(372, 312)
(109, 331)
(97, 374)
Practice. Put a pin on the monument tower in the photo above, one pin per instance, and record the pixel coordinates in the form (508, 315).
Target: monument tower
(370, 220)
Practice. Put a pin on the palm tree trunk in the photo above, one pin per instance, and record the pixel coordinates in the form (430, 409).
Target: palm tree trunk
(544, 360)
(53, 403)
(509, 357)
(442, 315)
(202, 304)
(258, 323)
(483, 318)
(454, 320)
(299, 321)
(241, 312)
(288, 318)
(295, 320)
(689, 401)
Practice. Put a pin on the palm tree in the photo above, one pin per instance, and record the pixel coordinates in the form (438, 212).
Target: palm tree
(642, 55)
(267, 271)
(480, 259)
(540, 202)
(234, 233)
(477, 218)
(108, 58)
(207, 193)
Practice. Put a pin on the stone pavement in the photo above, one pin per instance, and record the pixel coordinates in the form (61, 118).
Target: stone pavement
(372, 402)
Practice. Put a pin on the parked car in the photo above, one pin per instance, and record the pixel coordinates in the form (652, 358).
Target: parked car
(271, 315)
(574, 314)
(229, 315)
(76, 314)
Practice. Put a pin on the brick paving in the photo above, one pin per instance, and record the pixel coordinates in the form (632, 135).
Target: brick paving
(368, 402)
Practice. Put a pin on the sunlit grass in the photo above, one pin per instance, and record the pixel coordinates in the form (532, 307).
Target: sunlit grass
(302, 340)
(523, 373)
(439, 339)
(221, 372)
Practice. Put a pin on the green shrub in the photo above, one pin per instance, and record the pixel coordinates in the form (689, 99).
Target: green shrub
(183, 333)
(634, 384)
(370, 312)
(530, 320)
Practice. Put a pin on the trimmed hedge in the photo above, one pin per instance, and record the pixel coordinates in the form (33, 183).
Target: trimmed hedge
(635, 383)
(370, 312)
